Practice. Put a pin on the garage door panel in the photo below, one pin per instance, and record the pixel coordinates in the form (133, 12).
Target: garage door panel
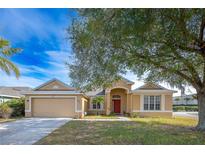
(53, 107)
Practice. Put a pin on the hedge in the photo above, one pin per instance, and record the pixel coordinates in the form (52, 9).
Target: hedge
(185, 108)
(18, 107)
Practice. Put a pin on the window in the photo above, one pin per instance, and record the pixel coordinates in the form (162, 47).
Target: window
(96, 106)
(146, 103)
(116, 97)
(152, 102)
(157, 102)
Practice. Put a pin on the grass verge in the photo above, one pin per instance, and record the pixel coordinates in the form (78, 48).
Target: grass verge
(138, 131)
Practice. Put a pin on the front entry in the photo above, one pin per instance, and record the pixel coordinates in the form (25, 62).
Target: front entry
(117, 106)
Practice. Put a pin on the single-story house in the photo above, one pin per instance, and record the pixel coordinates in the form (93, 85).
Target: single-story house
(8, 93)
(57, 99)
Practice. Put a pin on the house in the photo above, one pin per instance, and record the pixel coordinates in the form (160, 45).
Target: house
(57, 99)
(8, 93)
(185, 100)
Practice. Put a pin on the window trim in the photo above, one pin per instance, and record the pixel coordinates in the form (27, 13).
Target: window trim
(116, 98)
(155, 98)
(101, 106)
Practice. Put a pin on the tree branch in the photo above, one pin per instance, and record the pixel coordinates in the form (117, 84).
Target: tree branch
(201, 34)
(170, 70)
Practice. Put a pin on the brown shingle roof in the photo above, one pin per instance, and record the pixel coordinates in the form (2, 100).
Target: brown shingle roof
(13, 91)
(150, 85)
(98, 92)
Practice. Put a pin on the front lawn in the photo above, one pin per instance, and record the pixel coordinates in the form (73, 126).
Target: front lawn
(137, 131)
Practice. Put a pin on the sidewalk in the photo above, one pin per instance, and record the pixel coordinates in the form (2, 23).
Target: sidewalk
(117, 119)
(186, 114)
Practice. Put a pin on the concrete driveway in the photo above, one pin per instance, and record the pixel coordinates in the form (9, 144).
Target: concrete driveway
(186, 114)
(28, 130)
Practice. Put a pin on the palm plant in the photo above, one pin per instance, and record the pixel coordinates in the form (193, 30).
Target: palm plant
(6, 51)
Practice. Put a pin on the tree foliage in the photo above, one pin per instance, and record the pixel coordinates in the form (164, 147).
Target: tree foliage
(17, 106)
(157, 44)
(98, 99)
(5, 110)
(6, 51)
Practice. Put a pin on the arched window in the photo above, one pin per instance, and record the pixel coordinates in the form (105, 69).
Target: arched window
(116, 97)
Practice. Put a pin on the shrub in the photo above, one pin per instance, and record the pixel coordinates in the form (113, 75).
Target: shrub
(134, 115)
(5, 110)
(112, 113)
(186, 108)
(179, 108)
(98, 100)
(191, 108)
(18, 107)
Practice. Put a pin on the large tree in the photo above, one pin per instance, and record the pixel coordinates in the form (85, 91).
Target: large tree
(156, 44)
(6, 51)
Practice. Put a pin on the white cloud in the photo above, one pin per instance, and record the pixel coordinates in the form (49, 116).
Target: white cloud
(26, 25)
(27, 81)
(56, 69)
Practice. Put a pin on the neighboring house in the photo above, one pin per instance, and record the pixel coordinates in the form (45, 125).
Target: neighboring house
(56, 99)
(185, 100)
(8, 93)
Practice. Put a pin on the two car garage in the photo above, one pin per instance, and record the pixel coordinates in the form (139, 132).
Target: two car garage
(54, 99)
(53, 107)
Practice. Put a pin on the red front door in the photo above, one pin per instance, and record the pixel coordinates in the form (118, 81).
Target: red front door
(117, 106)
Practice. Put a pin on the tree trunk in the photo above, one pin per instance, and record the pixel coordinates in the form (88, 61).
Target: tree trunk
(201, 106)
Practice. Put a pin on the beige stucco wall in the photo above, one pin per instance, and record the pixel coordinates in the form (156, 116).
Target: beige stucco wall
(26, 102)
(168, 102)
(129, 103)
(85, 106)
(120, 83)
(107, 104)
(135, 102)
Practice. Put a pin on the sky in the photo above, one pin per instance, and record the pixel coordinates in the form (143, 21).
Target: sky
(42, 36)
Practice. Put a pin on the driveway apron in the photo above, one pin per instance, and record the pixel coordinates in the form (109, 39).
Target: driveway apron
(29, 130)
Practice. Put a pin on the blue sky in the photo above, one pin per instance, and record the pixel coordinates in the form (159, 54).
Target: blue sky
(41, 34)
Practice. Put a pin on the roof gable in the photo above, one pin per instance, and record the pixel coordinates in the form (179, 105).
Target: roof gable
(126, 80)
(151, 86)
(54, 85)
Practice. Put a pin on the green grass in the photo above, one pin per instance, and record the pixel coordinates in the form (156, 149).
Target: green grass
(138, 131)
(100, 117)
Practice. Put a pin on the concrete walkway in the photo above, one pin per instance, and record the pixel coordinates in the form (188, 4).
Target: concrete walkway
(186, 114)
(116, 119)
(28, 130)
